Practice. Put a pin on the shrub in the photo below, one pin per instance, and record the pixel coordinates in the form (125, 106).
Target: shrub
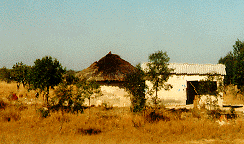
(44, 112)
(135, 85)
(89, 131)
(156, 115)
(3, 105)
(67, 100)
(214, 114)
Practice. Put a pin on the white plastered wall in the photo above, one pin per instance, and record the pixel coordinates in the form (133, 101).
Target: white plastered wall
(111, 96)
(177, 95)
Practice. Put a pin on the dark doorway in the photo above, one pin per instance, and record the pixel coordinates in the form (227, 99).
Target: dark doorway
(191, 91)
(199, 88)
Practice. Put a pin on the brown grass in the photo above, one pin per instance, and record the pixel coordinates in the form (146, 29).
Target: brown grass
(233, 96)
(22, 123)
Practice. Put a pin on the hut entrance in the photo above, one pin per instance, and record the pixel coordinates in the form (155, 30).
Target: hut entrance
(191, 91)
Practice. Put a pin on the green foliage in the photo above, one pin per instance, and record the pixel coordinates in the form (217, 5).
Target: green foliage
(67, 100)
(46, 73)
(234, 63)
(229, 61)
(207, 86)
(5, 74)
(71, 98)
(87, 88)
(135, 85)
(70, 77)
(20, 73)
(238, 51)
(158, 72)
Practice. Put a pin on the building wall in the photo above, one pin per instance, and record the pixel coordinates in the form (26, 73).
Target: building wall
(177, 95)
(114, 96)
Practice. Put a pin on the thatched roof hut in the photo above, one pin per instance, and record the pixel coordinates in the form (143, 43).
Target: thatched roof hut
(110, 68)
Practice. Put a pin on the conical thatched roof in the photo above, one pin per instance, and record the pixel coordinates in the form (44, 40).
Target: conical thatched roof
(109, 68)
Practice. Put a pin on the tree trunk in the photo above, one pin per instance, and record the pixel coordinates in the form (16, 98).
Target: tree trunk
(156, 97)
(47, 94)
(18, 84)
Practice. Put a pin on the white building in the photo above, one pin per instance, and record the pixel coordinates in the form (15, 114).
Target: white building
(185, 79)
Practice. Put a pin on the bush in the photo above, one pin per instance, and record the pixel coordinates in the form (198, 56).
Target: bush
(135, 85)
(214, 114)
(67, 100)
(44, 112)
(3, 105)
(89, 131)
(156, 115)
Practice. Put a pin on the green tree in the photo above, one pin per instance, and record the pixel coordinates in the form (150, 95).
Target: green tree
(66, 99)
(46, 73)
(5, 74)
(87, 88)
(158, 72)
(229, 62)
(135, 85)
(70, 77)
(19, 74)
(234, 62)
(238, 51)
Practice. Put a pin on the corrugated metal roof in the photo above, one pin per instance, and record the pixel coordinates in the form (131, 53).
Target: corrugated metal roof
(184, 68)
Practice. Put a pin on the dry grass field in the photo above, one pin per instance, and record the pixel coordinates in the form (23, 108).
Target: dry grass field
(21, 122)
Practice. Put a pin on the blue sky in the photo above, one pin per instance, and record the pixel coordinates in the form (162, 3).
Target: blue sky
(79, 32)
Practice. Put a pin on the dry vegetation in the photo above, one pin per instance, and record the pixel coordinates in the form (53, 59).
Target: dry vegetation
(21, 122)
(233, 96)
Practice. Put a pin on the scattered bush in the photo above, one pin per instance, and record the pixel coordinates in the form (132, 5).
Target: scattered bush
(155, 116)
(3, 105)
(89, 131)
(214, 114)
(44, 112)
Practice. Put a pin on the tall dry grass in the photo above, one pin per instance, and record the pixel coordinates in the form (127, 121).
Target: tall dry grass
(23, 94)
(23, 123)
(232, 95)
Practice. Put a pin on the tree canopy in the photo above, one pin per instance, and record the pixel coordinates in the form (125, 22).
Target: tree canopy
(47, 72)
(20, 73)
(234, 62)
(158, 72)
(135, 85)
